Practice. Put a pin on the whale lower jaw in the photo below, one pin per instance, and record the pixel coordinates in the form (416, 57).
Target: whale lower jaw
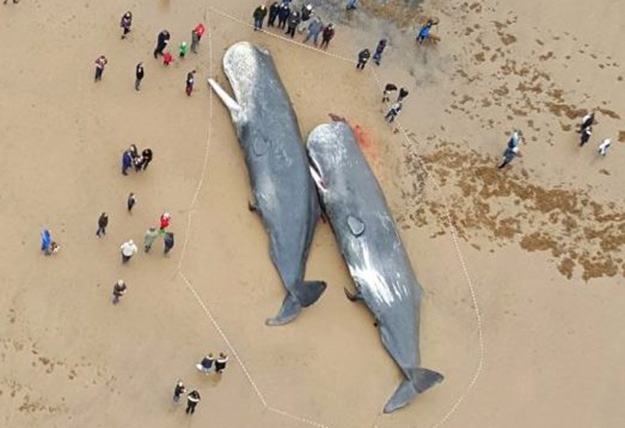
(408, 389)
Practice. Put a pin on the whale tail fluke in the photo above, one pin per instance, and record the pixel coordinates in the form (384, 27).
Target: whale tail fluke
(305, 294)
(422, 380)
(308, 292)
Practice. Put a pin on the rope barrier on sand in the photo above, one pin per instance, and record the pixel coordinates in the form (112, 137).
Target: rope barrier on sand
(448, 219)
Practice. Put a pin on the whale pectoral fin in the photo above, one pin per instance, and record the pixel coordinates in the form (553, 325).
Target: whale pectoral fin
(251, 205)
(409, 388)
(288, 312)
(354, 297)
(308, 292)
(230, 102)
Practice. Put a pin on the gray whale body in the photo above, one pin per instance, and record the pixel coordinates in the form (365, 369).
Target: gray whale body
(373, 251)
(284, 193)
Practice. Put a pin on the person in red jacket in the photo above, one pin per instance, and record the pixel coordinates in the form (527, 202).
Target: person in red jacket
(165, 220)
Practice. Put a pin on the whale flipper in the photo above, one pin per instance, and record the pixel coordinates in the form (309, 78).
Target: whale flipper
(422, 380)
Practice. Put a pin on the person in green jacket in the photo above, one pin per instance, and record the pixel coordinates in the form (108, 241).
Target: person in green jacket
(184, 49)
(148, 238)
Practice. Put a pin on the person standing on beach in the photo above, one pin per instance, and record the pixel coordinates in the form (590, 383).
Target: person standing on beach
(138, 162)
(403, 93)
(584, 137)
(165, 221)
(314, 29)
(604, 146)
(100, 63)
(259, 16)
(206, 364)
(168, 240)
(178, 391)
(587, 121)
(168, 58)
(196, 36)
(387, 90)
(139, 73)
(508, 155)
(103, 221)
(363, 57)
(132, 200)
(183, 50)
(220, 363)
(146, 156)
(306, 13)
(377, 56)
(148, 239)
(46, 240)
(393, 112)
(192, 399)
(274, 9)
(126, 23)
(424, 32)
(294, 21)
(190, 82)
(327, 35)
(126, 162)
(119, 289)
(161, 43)
(283, 15)
(128, 250)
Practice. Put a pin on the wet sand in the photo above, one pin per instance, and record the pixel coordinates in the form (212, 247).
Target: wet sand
(542, 240)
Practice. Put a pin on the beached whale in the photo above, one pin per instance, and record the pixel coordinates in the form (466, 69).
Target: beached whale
(372, 248)
(283, 191)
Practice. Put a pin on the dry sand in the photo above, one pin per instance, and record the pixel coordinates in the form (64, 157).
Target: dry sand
(542, 240)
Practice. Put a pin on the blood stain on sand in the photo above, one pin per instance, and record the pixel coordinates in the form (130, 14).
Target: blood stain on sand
(363, 138)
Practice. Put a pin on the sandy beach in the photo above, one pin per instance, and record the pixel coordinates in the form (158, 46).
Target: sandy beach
(523, 268)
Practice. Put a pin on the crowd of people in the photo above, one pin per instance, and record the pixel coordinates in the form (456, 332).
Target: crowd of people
(294, 20)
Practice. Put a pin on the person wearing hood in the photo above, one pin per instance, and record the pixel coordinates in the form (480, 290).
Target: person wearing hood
(314, 29)
(294, 21)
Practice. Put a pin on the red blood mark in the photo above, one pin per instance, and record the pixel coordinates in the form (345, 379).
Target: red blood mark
(364, 139)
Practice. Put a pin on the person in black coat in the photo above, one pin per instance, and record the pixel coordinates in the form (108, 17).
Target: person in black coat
(283, 15)
(294, 21)
(274, 9)
(363, 57)
(146, 157)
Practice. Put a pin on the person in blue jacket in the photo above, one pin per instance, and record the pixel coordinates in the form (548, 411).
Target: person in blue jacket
(424, 33)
